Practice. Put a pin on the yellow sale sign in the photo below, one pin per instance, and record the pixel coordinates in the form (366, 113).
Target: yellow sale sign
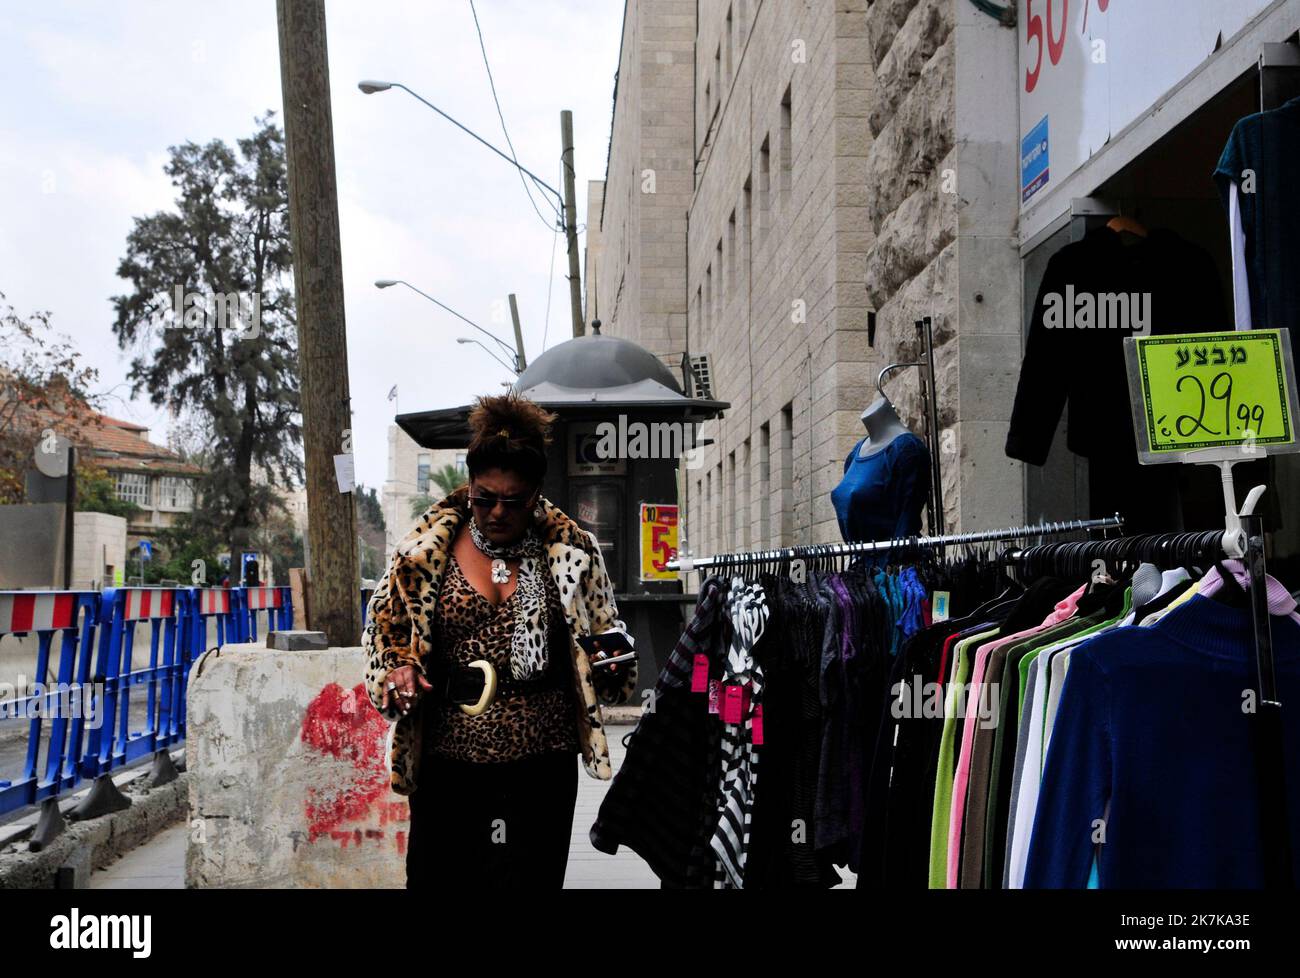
(658, 541)
(1203, 391)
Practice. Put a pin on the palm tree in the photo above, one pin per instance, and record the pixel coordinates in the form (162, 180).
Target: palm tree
(448, 479)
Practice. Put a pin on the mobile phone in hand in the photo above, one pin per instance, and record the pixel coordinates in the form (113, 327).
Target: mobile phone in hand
(616, 646)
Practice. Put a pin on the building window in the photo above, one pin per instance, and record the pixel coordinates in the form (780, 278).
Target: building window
(731, 254)
(717, 294)
(717, 73)
(747, 216)
(708, 301)
(422, 473)
(460, 463)
(177, 493)
(764, 185)
(787, 147)
(133, 487)
(730, 37)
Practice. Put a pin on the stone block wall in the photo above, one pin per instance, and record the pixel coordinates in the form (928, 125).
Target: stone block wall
(288, 768)
(636, 237)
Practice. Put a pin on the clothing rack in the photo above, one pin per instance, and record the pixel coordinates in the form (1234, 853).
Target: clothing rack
(1244, 539)
(1049, 528)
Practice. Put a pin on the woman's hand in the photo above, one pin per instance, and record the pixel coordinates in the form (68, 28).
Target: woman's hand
(403, 688)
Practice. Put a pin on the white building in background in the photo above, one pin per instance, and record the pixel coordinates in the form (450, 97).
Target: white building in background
(295, 501)
(409, 475)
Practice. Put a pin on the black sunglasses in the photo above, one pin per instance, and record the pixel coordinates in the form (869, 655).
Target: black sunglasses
(490, 501)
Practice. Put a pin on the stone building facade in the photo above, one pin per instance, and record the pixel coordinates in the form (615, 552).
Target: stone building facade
(636, 234)
(840, 175)
(410, 468)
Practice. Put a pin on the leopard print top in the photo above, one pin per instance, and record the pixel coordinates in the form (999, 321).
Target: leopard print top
(471, 627)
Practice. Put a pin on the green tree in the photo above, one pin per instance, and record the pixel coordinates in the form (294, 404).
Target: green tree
(43, 387)
(183, 554)
(447, 480)
(97, 494)
(370, 527)
(231, 357)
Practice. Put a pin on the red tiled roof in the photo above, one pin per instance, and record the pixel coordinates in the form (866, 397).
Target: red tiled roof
(113, 443)
(119, 423)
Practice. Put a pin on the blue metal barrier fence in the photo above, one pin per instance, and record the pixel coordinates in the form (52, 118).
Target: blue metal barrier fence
(78, 710)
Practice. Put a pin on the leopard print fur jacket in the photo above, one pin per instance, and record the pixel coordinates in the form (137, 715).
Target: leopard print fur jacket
(400, 628)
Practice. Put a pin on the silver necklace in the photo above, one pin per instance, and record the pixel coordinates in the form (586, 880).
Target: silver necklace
(500, 569)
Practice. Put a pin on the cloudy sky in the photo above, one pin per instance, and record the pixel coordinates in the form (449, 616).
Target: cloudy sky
(94, 93)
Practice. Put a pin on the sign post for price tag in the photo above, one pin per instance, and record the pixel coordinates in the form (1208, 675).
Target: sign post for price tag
(1214, 399)
(1220, 399)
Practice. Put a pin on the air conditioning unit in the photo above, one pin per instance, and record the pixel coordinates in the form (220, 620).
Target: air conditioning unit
(697, 375)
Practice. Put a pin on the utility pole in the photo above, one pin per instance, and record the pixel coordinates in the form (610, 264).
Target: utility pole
(333, 570)
(519, 335)
(571, 219)
(69, 517)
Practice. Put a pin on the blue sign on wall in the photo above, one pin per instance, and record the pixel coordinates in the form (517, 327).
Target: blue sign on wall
(1034, 171)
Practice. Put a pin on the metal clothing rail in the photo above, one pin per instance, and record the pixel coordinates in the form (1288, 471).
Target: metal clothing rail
(1049, 528)
(1243, 539)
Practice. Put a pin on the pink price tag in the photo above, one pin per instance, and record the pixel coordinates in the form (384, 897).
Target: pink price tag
(700, 674)
(734, 701)
(715, 696)
(756, 727)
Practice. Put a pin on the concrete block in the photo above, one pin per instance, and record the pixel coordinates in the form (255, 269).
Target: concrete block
(296, 641)
(289, 781)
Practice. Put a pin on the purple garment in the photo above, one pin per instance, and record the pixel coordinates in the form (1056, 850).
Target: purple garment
(851, 653)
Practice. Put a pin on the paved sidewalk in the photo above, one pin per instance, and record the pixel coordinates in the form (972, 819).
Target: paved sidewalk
(160, 863)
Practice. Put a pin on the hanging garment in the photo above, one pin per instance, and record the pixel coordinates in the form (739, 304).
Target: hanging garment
(662, 802)
(1153, 753)
(1077, 363)
(1259, 160)
(782, 852)
(881, 496)
(747, 610)
(1030, 764)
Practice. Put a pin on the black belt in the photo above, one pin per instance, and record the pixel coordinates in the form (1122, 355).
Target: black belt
(464, 684)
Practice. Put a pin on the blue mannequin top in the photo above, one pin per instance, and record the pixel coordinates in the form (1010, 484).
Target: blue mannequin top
(881, 496)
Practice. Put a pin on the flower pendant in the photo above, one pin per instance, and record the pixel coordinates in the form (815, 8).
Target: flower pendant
(500, 572)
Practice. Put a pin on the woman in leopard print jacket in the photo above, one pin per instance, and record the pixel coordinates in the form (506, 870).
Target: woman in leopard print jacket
(496, 574)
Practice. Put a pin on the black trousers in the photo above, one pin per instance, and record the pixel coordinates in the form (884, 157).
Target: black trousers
(492, 826)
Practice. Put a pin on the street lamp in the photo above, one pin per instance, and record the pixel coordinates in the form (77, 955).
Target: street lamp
(468, 339)
(385, 283)
(370, 87)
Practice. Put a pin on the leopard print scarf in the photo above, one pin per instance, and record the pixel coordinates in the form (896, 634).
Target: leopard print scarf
(528, 652)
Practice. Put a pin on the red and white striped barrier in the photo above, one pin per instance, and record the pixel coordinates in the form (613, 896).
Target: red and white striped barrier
(144, 603)
(214, 602)
(37, 611)
(260, 598)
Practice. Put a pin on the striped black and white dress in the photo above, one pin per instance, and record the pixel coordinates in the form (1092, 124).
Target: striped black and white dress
(746, 608)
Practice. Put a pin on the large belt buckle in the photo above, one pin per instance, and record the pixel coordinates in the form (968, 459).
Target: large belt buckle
(489, 688)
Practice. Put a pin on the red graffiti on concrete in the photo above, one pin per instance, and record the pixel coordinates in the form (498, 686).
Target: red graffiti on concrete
(343, 724)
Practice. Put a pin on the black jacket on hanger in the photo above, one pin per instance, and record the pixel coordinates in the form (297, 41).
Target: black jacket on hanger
(1085, 367)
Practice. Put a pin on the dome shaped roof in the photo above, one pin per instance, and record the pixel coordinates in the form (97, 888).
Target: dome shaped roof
(595, 362)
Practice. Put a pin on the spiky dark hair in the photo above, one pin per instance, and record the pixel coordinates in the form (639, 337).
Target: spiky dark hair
(509, 432)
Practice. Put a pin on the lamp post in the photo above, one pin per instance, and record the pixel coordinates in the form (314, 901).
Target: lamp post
(468, 339)
(568, 207)
(370, 87)
(385, 283)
